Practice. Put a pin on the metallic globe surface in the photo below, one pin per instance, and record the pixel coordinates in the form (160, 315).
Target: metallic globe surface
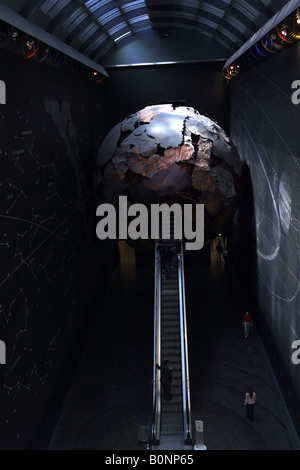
(168, 153)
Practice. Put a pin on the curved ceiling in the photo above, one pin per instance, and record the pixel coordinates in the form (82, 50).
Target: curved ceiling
(93, 27)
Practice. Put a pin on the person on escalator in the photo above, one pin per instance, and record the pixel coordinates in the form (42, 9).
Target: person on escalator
(166, 379)
(169, 263)
(167, 257)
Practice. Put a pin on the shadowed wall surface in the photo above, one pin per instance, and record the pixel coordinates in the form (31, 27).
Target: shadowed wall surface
(201, 86)
(265, 127)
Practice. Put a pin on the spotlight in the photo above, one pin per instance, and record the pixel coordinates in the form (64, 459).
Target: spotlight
(231, 71)
(30, 48)
(97, 77)
(30, 44)
(298, 15)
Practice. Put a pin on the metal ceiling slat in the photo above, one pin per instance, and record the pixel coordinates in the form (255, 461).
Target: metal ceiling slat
(234, 19)
(176, 21)
(142, 28)
(61, 16)
(203, 29)
(218, 12)
(240, 17)
(233, 26)
(94, 24)
(109, 16)
(237, 24)
(102, 8)
(96, 4)
(57, 7)
(206, 17)
(87, 32)
(84, 25)
(102, 49)
(91, 41)
(117, 28)
(47, 5)
(73, 20)
(103, 11)
(100, 40)
(83, 28)
(129, 6)
(247, 9)
(229, 35)
(262, 8)
(29, 7)
(137, 19)
(98, 54)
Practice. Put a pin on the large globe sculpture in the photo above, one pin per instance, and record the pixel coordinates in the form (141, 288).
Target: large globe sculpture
(168, 153)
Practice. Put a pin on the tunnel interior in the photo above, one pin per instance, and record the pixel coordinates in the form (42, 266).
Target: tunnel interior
(77, 311)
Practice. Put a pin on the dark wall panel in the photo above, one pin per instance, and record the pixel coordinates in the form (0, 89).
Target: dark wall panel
(265, 127)
(201, 86)
(50, 129)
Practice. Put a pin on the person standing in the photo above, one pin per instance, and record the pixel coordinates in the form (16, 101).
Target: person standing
(166, 379)
(225, 256)
(219, 250)
(248, 323)
(250, 400)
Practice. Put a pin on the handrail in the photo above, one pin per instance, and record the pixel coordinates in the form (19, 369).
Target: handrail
(156, 405)
(186, 402)
(189, 429)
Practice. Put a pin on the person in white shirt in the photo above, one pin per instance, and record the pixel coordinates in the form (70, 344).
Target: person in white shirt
(250, 400)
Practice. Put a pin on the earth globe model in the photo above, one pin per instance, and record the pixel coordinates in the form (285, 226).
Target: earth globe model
(173, 154)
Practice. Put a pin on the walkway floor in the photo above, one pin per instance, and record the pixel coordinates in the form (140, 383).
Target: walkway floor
(112, 391)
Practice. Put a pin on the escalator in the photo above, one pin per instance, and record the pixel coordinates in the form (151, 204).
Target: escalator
(171, 422)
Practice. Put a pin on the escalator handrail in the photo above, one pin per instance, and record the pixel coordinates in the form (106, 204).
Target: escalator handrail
(184, 351)
(156, 404)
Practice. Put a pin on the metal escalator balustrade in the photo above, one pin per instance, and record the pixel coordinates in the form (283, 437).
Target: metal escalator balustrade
(156, 399)
(171, 419)
(184, 353)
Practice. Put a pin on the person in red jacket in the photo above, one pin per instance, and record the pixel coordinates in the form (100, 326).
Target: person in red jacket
(247, 322)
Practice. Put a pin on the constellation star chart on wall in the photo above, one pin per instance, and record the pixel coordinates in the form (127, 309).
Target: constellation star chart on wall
(42, 243)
